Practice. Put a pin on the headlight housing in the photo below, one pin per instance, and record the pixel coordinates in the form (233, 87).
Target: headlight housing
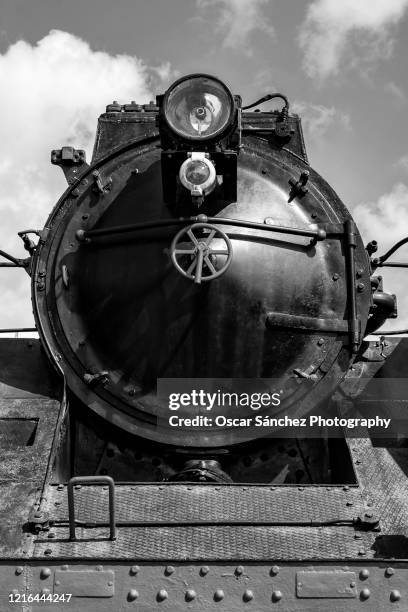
(198, 108)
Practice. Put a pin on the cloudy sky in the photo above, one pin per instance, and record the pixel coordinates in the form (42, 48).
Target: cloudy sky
(343, 64)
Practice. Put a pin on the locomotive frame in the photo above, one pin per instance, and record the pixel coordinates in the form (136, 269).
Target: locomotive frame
(186, 545)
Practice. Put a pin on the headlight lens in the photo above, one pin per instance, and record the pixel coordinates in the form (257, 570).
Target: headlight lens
(197, 172)
(198, 107)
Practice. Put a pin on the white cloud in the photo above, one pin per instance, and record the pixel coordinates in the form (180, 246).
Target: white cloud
(386, 220)
(237, 20)
(396, 91)
(317, 119)
(336, 33)
(403, 163)
(53, 93)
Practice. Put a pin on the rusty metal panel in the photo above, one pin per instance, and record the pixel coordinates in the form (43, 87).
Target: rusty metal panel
(85, 583)
(326, 584)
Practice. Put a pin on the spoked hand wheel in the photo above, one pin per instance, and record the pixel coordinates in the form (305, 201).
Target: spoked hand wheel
(201, 252)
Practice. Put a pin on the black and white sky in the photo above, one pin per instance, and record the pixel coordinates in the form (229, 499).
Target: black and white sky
(343, 64)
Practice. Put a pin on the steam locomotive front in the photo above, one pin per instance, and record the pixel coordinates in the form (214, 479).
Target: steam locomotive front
(199, 244)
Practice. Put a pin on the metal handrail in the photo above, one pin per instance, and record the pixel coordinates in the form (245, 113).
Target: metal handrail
(91, 480)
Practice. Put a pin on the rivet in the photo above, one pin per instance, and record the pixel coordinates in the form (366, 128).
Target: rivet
(110, 583)
(134, 570)
(360, 287)
(239, 570)
(301, 488)
(357, 536)
(219, 595)
(357, 462)
(57, 503)
(364, 574)
(162, 595)
(64, 567)
(349, 503)
(45, 591)
(389, 572)
(248, 595)
(204, 570)
(365, 593)
(78, 487)
(60, 487)
(47, 551)
(99, 568)
(361, 551)
(274, 570)
(320, 341)
(75, 192)
(395, 595)
(352, 584)
(277, 595)
(335, 276)
(169, 570)
(132, 595)
(190, 595)
(19, 570)
(85, 217)
(132, 392)
(51, 534)
(57, 582)
(45, 572)
(346, 488)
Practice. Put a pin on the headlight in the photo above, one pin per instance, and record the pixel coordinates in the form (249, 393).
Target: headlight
(197, 174)
(198, 107)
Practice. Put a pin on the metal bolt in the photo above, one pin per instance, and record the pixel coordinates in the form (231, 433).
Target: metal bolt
(360, 287)
(389, 572)
(239, 570)
(395, 595)
(248, 595)
(336, 276)
(352, 584)
(276, 596)
(132, 595)
(219, 595)
(110, 583)
(19, 570)
(60, 487)
(169, 570)
(320, 341)
(274, 570)
(204, 570)
(364, 574)
(134, 570)
(162, 595)
(365, 593)
(190, 595)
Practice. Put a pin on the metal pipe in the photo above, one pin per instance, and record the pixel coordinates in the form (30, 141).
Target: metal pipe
(85, 236)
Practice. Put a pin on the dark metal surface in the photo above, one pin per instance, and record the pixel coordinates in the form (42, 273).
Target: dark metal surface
(161, 327)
